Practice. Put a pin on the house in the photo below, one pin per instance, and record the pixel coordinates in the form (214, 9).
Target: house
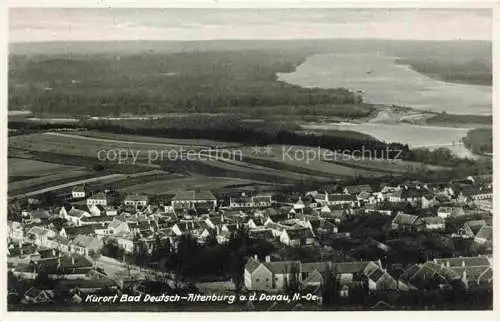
(39, 235)
(78, 192)
(367, 198)
(33, 200)
(90, 229)
(95, 210)
(85, 245)
(92, 220)
(110, 210)
(97, 199)
(427, 276)
(65, 267)
(276, 228)
(15, 231)
(480, 230)
(274, 276)
(341, 199)
(407, 222)
(485, 234)
(39, 215)
(450, 211)
(75, 215)
(21, 249)
(297, 237)
(472, 227)
(118, 227)
(337, 213)
(393, 196)
(244, 201)
(324, 226)
(434, 223)
(36, 296)
(261, 234)
(357, 189)
(189, 227)
(299, 205)
(472, 272)
(188, 199)
(473, 193)
(59, 243)
(317, 198)
(269, 275)
(485, 180)
(136, 200)
(125, 241)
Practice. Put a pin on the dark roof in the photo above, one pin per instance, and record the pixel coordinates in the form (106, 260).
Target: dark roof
(78, 188)
(405, 219)
(97, 219)
(433, 220)
(251, 265)
(341, 197)
(467, 261)
(67, 262)
(99, 195)
(283, 267)
(299, 233)
(85, 229)
(136, 198)
(77, 212)
(261, 234)
(357, 189)
(476, 225)
(486, 232)
(194, 195)
(40, 214)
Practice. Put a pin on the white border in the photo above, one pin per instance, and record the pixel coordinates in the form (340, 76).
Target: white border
(250, 4)
(362, 315)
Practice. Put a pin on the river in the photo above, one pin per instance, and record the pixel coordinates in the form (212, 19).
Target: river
(382, 81)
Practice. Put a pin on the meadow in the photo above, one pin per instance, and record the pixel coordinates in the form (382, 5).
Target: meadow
(33, 168)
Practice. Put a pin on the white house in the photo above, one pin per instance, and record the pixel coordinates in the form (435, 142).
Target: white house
(97, 199)
(78, 192)
(136, 200)
(189, 199)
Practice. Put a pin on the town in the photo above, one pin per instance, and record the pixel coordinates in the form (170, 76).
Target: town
(403, 246)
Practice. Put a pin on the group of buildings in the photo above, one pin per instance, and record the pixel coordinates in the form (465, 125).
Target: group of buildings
(75, 232)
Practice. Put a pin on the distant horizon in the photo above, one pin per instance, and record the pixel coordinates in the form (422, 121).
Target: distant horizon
(36, 25)
(250, 40)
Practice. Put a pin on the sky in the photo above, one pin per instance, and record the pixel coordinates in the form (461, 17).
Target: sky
(105, 24)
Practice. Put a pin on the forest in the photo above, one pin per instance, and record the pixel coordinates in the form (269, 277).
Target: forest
(190, 82)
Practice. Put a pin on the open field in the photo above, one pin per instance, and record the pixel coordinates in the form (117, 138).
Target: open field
(33, 168)
(35, 182)
(79, 145)
(57, 187)
(279, 167)
(201, 182)
(156, 141)
(337, 165)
